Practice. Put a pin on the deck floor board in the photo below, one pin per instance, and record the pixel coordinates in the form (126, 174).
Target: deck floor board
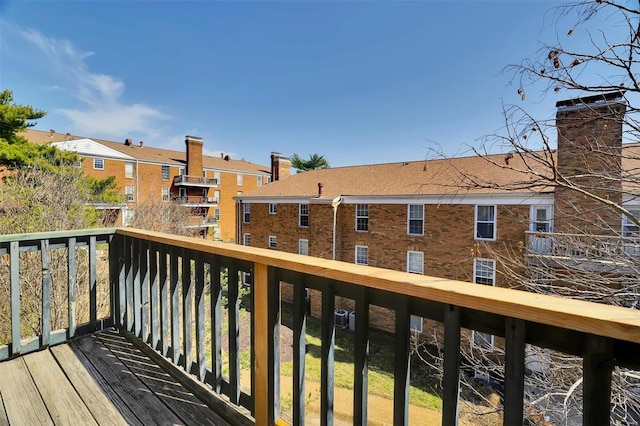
(111, 410)
(63, 402)
(97, 379)
(21, 398)
(186, 406)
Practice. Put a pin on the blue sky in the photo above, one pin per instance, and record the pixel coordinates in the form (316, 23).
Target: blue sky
(358, 81)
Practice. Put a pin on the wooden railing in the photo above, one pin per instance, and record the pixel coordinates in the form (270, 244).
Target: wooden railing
(596, 248)
(170, 292)
(38, 266)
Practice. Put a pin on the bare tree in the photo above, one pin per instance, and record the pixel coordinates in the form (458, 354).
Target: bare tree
(159, 215)
(591, 248)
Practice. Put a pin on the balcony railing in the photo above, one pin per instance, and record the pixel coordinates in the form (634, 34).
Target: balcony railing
(197, 201)
(158, 286)
(581, 247)
(200, 181)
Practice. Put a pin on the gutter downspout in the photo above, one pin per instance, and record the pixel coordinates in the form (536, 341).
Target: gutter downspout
(335, 203)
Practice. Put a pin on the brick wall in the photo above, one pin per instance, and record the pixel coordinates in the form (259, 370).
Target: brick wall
(589, 145)
(448, 243)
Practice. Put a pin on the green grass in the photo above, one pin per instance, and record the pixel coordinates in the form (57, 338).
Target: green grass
(380, 379)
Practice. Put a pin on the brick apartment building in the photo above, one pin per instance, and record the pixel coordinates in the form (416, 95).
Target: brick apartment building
(420, 218)
(201, 183)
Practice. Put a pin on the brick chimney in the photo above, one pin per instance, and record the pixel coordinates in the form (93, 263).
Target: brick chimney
(280, 166)
(590, 156)
(194, 155)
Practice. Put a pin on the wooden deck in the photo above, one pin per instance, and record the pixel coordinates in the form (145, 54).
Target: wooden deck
(100, 379)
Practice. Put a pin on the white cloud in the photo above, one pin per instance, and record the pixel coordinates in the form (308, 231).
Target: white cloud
(103, 111)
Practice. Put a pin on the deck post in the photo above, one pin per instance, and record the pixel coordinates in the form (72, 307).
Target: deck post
(263, 392)
(597, 364)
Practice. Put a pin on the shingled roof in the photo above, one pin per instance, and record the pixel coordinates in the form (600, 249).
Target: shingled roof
(490, 175)
(148, 153)
(429, 177)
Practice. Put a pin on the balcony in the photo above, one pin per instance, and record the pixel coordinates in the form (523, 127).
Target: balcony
(600, 252)
(149, 347)
(197, 201)
(206, 222)
(197, 181)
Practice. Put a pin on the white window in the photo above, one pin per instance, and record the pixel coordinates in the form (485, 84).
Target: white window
(166, 196)
(98, 163)
(246, 239)
(204, 173)
(216, 196)
(303, 247)
(216, 215)
(259, 180)
(541, 219)
(268, 179)
(362, 255)
(362, 217)
(165, 172)
(77, 164)
(630, 229)
(416, 324)
(273, 208)
(485, 223)
(415, 262)
(239, 179)
(216, 177)
(216, 233)
(273, 242)
(129, 192)
(181, 171)
(484, 272)
(304, 215)
(246, 217)
(128, 170)
(415, 225)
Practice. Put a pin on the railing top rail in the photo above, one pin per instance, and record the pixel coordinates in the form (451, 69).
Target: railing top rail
(604, 320)
(581, 236)
(56, 234)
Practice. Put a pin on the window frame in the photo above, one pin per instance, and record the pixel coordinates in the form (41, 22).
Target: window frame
(99, 160)
(533, 226)
(272, 242)
(166, 194)
(476, 265)
(239, 179)
(626, 223)
(366, 256)
(273, 208)
(303, 242)
(412, 252)
(409, 219)
(246, 213)
(246, 239)
(163, 175)
(362, 218)
(216, 214)
(259, 181)
(130, 193)
(301, 215)
(477, 222)
(131, 165)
